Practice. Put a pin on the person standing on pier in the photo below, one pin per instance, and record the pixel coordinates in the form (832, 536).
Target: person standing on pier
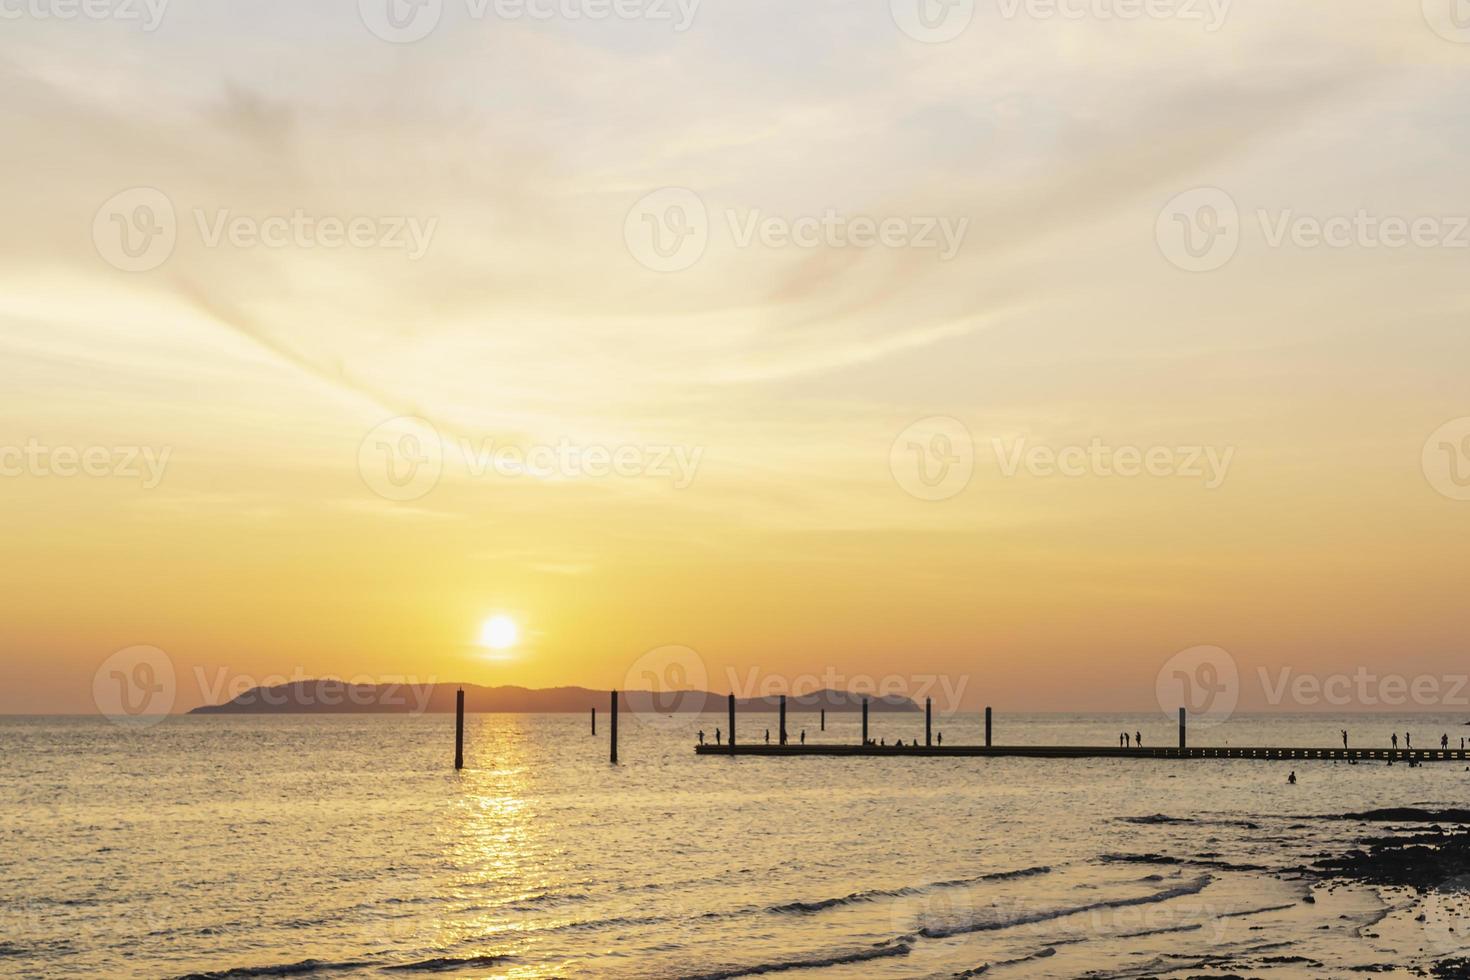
(701, 736)
(941, 738)
(1138, 740)
(1409, 741)
(1125, 740)
(768, 736)
(717, 736)
(1444, 740)
(803, 736)
(1395, 740)
(1344, 738)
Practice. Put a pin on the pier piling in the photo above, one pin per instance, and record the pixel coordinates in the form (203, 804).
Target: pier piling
(928, 721)
(594, 721)
(824, 719)
(987, 726)
(614, 738)
(1182, 741)
(783, 719)
(459, 729)
(865, 721)
(732, 719)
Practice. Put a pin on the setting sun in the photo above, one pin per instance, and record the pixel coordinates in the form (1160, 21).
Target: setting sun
(499, 633)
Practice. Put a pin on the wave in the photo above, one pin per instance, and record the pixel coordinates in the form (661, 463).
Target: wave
(440, 963)
(873, 894)
(835, 959)
(991, 924)
(1040, 954)
(1261, 911)
(277, 970)
(1166, 859)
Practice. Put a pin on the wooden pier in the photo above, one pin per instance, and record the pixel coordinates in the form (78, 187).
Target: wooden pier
(1092, 752)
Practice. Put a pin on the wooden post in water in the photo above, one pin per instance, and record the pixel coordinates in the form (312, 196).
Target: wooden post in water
(865, 721)
(1182, 742)
(732, 718)
(783, 720)
(824, 719)
(928, 722)
(614, 739)
(594, 721)
(459, 729)
(987, 726)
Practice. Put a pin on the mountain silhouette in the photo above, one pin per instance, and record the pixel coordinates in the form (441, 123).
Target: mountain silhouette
(332, 696)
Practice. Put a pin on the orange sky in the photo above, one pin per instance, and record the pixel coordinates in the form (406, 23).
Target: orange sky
(776, 404)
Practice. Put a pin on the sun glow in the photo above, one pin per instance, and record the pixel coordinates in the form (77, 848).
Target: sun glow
(499, 633)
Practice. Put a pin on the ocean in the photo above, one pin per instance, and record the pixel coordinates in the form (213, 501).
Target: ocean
(347, 846)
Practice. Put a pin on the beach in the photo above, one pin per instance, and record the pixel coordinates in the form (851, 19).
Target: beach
(348, 847)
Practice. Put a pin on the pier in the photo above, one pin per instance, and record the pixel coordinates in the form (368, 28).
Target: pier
(1092, 752)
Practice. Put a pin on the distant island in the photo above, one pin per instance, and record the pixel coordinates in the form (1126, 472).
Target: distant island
(330, 696)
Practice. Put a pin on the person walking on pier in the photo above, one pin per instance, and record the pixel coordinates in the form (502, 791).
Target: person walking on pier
(1138, 740)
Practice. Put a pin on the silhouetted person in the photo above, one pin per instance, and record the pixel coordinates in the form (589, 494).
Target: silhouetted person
(1444, 740)
(717, 736)
(941, 738)
(883, 742)
(768, 736)
(1138, 740)
(1292, 778)
(803, 736)
(1125, 740)
(1409, 740)
(701, 736)
(1344, 738)
(1395, 739)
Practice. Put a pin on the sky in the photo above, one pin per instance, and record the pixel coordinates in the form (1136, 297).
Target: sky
(1023, 348)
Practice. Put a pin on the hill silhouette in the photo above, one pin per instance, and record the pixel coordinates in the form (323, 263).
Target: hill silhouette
(332, 696)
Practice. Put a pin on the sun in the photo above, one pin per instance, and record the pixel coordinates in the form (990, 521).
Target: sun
(499, 633)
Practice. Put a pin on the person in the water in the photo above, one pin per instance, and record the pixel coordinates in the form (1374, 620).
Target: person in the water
(1292, 778)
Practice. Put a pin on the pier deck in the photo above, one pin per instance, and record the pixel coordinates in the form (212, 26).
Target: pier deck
(1089, 752)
